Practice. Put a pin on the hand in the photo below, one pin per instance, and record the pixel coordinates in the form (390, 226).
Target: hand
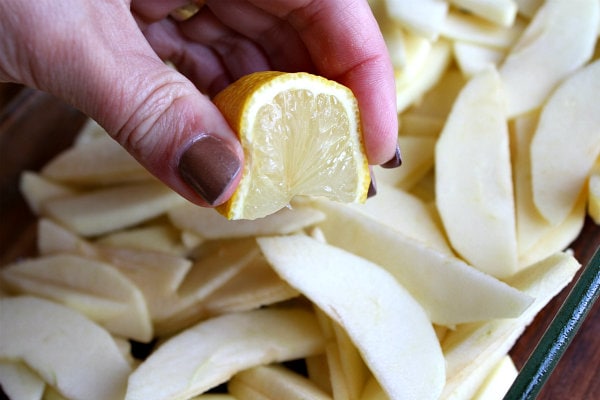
(106, 58)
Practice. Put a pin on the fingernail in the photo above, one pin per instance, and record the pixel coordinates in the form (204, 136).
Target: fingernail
(209, 166)
(372, 186)
(395, 161)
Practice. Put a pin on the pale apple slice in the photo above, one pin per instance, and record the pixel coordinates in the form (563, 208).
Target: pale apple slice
(409, 91)
(566, 143)
(472, 350)
(498, 381)
(37, 190)
(317, 370)
(417, 161)
(500, 12)
(97, 162)
(157, 275)
(474, 190)
(209, 224)
(95, 289)
(220, 262)
(161, 237)
(422, 17)
(210, 353)
(405, 213)
(436, 279)
(256, 285)
(377, 313)
(417, 50)
(104, 210)
(273, 382)
(438, 101)
(64, 348)
(19, 382)
(473, 58)
(558, 40)
(472, 29)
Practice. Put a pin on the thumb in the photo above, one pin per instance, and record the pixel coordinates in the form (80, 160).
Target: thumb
(103, 65)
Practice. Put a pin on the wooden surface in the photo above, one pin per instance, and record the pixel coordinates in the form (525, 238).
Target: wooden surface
(34, 126)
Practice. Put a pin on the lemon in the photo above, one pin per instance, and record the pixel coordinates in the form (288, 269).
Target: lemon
(301, 136)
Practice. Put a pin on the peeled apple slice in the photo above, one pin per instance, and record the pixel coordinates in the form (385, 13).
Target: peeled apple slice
(373, 315)
(435, 279)
(19, 382)
(211, 352)
(55, 342)
(566, 144)
(91, 287)
(474, 190)
(558, 40)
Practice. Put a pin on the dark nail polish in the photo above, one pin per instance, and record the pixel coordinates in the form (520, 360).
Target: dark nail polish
(395, 161)
(372, 186)
(209, 166)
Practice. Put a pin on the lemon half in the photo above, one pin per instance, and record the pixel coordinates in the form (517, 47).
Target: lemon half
(301, 136)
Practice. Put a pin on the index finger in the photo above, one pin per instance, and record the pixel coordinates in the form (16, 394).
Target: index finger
(345, 44)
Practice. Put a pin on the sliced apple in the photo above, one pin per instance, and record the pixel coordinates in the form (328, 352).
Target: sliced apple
(436, 279)
(93, 288)
(274, 382)
(161, 237)
(566, 143)
(498, 381)
(472, 350)
(210, 353)
(474, 190)
(500, 12)
(409, 91)
(56, 343)
(561, 38)
(209, 224)
(374, 315)
(405, 213)
(472, 29)
(473, 58)
(417, 160)
(19, 382)
(423, 17)
(104, 210)
(95, 162)
(37, 190)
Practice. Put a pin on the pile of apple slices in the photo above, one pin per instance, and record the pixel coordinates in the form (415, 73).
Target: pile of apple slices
(418, 294)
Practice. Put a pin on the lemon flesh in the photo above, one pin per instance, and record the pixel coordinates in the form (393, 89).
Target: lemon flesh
(301, 136)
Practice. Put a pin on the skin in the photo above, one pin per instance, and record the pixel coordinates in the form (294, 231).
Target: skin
(106, 59)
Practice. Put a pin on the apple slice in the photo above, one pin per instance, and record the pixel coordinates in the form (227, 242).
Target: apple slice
(108, 209)
(378, 312)
(561, 38)
(472, 350)
(566, 143)
(500, 12)
(19, 382)
(498, 381)
(474, 191)
(405, 213)
(209, 224)
(469, 28)
(211, 352)
(93, 288)
(95, 162)
(422, 17)
(64, 348)
(37, 190)
(273, 382)
(436, 279)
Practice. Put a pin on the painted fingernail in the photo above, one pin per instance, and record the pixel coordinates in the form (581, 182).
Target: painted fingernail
(395, 161)
(372, 186)
(209, 166)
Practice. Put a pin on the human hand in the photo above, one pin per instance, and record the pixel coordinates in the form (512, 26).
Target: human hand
(106, 58)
